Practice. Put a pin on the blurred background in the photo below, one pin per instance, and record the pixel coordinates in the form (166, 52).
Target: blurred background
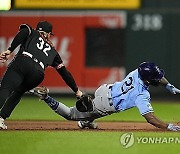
(100, 41)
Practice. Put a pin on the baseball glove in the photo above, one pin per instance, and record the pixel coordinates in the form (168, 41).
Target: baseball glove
(84, 103)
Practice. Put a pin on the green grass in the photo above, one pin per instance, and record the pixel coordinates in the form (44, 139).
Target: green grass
(30, 108)
(88, 142)
(80, 142)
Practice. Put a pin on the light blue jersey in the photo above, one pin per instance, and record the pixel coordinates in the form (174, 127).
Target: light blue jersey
(131, 92)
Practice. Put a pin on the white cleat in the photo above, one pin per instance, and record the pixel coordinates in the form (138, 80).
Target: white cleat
(87, 124)
(2, 124)
(41, 92)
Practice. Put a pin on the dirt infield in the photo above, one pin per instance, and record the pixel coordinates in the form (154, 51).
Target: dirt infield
(72, 126)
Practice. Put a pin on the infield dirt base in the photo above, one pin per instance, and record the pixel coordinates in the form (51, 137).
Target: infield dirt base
(71, 125)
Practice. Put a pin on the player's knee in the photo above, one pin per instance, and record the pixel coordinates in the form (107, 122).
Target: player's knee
(64, 115)
(68, 117)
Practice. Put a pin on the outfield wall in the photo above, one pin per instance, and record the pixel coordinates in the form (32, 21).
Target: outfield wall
(72, 29)
(102, 46)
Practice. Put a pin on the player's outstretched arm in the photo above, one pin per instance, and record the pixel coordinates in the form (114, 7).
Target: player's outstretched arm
(68, 78)
(18, 39)
(169, 86)
(155, 121)
(160, 124)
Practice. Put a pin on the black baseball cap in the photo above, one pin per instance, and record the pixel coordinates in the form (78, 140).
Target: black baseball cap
(44, 26)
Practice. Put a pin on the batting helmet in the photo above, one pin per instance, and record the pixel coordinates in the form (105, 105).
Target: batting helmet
(150, 72)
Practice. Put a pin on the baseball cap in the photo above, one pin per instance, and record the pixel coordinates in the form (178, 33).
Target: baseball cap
(44, 26)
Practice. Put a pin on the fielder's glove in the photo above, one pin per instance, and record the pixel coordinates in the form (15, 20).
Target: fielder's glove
(171, 127)
(84, 103)
(172, 89)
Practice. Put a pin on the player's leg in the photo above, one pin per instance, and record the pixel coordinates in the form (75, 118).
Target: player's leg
(103, 100)
(10, 104)
(102, 103)
(27, 83)
(85, 119)
(32, 81)
(98, 111)
(58, 107)
(10, 81)
(68, 113)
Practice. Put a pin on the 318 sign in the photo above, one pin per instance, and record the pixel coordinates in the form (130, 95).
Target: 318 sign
(147, 22)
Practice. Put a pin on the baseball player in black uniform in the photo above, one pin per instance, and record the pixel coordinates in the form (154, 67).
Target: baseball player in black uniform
(26, 70)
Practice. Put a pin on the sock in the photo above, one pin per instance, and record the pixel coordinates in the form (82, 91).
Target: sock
(53, 104)
(59, 107)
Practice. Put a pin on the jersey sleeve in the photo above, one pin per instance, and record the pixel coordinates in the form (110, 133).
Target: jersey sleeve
(19, 39)
(22, 26)
(57, 63)
(143, 104)
(68, 78)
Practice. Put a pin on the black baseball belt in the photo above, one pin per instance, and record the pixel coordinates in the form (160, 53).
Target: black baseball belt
(34, 59)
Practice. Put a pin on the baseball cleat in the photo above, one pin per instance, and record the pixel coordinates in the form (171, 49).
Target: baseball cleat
(41, 92)
(2, 125)
(87, 124)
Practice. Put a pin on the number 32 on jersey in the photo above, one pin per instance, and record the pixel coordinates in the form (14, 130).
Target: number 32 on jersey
(43, 46)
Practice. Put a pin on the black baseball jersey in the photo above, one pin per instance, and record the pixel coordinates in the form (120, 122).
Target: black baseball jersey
(40, 48)
(26, 70)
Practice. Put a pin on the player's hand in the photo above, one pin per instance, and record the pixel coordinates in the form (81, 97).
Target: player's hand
(79, 93)
(171, 127)
(4, 56)
(172, 89)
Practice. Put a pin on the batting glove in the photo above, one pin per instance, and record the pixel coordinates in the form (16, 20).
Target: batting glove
(171, 127)
(172, 89)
